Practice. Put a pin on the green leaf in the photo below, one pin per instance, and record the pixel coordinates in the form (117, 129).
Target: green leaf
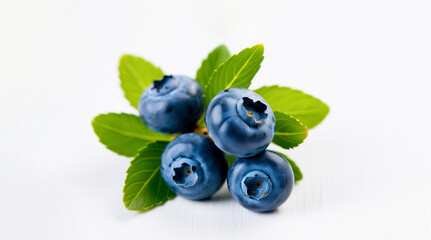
(289, 132)
(144, 187)
(201, 121)
(237, 71)
(214, 59)
(296, 172)
(230, 159)
(124, 133)
(307, 109)
(136, 75)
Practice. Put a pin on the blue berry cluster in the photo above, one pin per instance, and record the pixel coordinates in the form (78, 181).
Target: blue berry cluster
(239, 123)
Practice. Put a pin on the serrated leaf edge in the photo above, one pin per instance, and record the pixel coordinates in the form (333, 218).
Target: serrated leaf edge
(291, 134)
(291, 162)
(304, 112)
(144, 209)
(114, 149)
(206, 60)
(236, 75)
(130, 69)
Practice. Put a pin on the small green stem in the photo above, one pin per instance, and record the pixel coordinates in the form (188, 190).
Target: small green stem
(201, 130)
(197, 129)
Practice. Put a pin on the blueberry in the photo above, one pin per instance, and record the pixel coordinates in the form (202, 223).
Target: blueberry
(261, 183)
(193, 167)
(240, 122)
(172, 104)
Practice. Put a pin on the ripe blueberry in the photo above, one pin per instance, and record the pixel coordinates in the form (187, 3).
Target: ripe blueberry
(172, 104)
(261, 183)
(193, 167)
(240, 122)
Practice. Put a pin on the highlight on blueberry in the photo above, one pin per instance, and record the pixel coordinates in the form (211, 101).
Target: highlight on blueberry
(193, 167)
(240, 122)
(172, 104)
(261, 183)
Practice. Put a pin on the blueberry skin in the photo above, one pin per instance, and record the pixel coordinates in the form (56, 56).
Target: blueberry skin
(172, 104)
(261, 183)
(240, 122)
(193, 167)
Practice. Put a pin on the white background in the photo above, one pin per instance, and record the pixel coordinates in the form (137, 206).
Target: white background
(366, 167)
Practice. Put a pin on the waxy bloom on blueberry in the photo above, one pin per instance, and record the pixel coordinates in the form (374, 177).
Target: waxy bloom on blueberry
(172, 104)
(261, 183)
(193, 167)
(240, 122)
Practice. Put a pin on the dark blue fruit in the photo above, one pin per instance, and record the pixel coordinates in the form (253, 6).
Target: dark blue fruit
(240, 122)
(193, 167)
(172, 104)
(261, 183)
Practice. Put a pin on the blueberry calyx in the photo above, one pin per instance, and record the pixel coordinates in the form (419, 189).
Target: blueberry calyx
(256, 185)
(185, 172)
(252, 112)
(164, 85)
